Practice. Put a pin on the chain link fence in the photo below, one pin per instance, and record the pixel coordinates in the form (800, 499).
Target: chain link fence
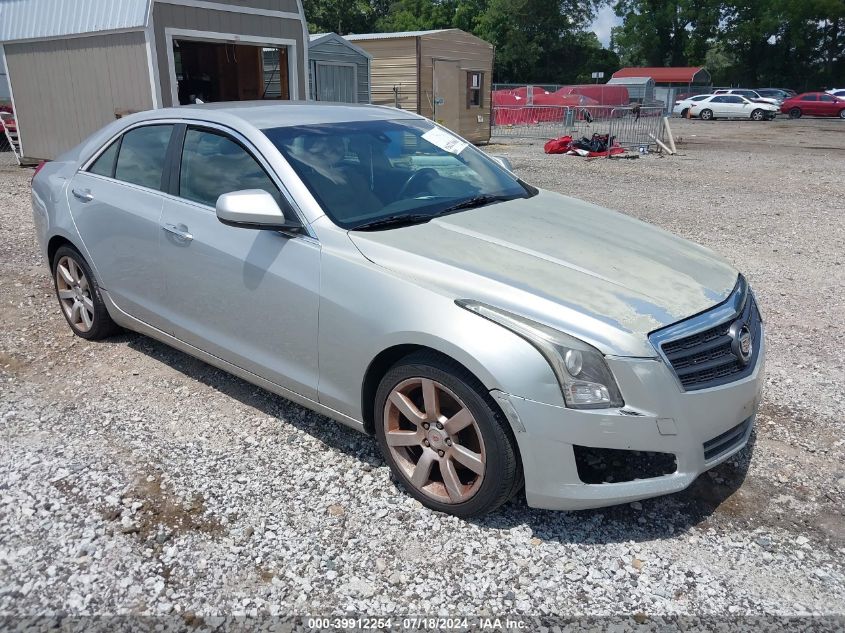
(632, 127)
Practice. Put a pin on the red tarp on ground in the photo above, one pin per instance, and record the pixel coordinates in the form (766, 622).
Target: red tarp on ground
(563, 145)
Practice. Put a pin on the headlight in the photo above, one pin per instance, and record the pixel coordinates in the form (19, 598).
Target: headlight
(583, 375)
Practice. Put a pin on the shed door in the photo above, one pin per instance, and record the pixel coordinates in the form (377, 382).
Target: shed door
(336, 82)
(447, 93)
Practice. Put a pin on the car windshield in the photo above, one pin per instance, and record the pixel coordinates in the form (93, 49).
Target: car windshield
(374, 173)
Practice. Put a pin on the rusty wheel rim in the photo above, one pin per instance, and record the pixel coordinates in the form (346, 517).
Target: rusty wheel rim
(75, 294)
(435, 440)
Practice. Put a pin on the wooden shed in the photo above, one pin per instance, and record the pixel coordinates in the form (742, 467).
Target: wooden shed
(443, 74)
(73, 67)
(338, 70)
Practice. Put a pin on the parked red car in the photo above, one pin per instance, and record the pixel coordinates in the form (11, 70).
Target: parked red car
(813, 104)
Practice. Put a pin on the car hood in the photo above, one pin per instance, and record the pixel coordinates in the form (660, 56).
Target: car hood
(597, 274)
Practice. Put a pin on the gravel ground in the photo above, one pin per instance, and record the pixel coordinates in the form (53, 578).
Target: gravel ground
(137, 480)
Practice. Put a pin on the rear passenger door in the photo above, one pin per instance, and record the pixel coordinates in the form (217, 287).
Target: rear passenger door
(810, 104)
(718, 105)
(116, 204)
(736, 107)
(248, 296)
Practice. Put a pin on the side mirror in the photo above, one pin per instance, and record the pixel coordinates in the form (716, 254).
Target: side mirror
(503, 162)
(252, 209)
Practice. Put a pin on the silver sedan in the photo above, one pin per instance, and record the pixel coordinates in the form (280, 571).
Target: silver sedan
(374, 267)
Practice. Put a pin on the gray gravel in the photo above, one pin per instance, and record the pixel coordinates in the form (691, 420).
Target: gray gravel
(135, 479)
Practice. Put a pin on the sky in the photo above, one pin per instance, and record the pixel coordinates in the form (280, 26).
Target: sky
(605, 20)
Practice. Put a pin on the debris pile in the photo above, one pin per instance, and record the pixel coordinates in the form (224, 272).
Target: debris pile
(597, 145)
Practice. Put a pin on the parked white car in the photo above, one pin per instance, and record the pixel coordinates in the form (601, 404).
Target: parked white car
(724, 106)
(749, 94)
(682, 106)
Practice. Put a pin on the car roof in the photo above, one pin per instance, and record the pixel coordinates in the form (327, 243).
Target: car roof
(270, 114)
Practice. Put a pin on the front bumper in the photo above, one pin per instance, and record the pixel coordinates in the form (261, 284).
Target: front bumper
(658, 417)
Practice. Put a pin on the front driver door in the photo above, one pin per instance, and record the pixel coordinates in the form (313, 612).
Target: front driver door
(248, 296)
(116, 205)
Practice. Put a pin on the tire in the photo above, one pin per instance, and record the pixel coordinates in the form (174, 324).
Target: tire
(79, 296)
(795, 113)
(684, 113)
(842, 113)
(706, 115)
(422, 449)
(758, 115)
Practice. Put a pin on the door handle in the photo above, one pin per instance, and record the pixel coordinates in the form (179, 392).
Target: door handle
(180, 233)
(83, 194)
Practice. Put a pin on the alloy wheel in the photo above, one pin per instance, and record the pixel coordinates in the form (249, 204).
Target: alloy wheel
(75, 294)
(435, 440)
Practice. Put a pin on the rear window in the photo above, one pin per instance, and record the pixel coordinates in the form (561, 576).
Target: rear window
(141, 157)
(104, 165)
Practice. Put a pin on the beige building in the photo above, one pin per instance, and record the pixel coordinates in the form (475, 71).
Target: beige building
(444, 75)
(75, 66)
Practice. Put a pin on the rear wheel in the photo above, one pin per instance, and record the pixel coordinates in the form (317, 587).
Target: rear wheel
(706, 115)
(758, 115)
(79, 296)
(795, 113)
(444, 438)
(842, 113)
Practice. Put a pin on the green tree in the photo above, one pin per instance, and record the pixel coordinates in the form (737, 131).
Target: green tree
(664, 32)
(343, 16)
(532, 36)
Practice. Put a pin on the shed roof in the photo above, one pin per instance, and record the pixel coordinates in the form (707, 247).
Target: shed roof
(315, 39)
(37, 19)
(630, 81)
(679, 75)
(387, 36)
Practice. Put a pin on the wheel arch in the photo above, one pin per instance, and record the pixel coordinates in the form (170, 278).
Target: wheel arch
(381, 364)
(54, 244)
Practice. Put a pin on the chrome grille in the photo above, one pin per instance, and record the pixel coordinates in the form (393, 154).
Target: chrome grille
(703, 358)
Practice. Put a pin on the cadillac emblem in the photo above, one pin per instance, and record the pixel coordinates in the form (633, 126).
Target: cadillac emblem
(741, 344)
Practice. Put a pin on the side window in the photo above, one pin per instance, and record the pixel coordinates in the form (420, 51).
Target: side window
(142, 153)
(214, 164)
(809, 98)
(718, 100)
(475, 89)
(104, 165)
(736, 100)
(827, 98)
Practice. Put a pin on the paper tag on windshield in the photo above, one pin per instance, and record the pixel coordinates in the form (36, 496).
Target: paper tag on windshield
(445, 141)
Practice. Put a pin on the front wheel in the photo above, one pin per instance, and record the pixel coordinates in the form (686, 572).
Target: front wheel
(684, 113)
(842, 113)
(706, 115)
(444, 438)
(758, 115)
(79, 296)
(795, 113)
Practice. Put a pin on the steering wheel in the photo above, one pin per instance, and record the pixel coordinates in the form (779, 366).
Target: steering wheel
(415, 179)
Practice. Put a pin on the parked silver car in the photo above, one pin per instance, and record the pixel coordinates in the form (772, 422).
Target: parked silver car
(370, 265)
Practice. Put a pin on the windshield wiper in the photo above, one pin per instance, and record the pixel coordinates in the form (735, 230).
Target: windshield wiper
(474, 202)
(399, 219)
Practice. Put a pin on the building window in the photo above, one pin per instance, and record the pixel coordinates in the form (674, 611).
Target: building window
(475, 86)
